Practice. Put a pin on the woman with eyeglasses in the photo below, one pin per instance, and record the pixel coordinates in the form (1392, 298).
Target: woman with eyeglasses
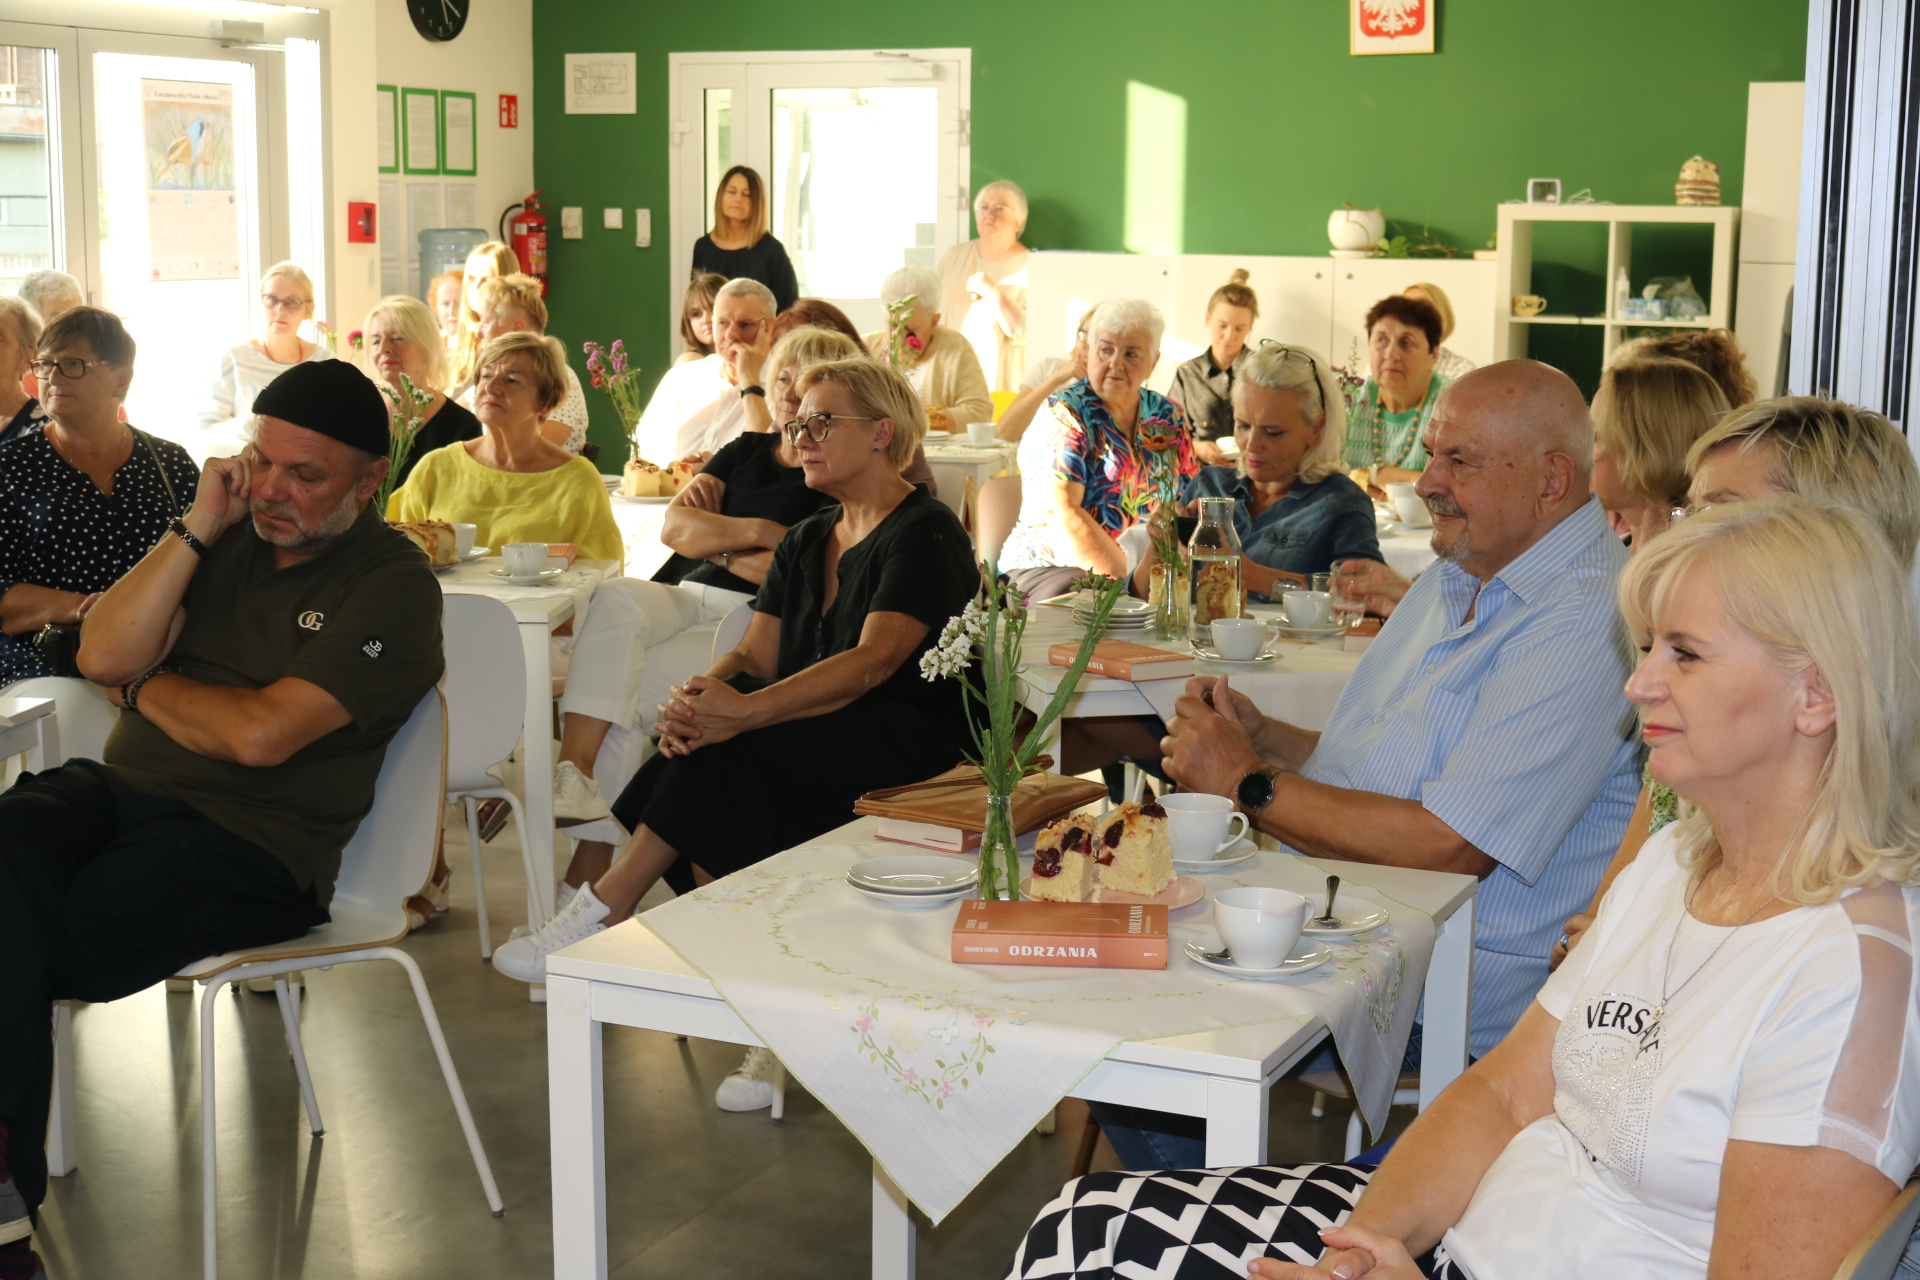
(643, 638)
(82, 499)
(1389, 413)
(983, 285)
(1821, 449)
(822, 700)
(1120, 449)
(286, 302)
(1646, 416)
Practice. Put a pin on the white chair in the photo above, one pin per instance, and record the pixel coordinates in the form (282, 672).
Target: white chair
(388, 858)
(86, 717)
(1876, 1254)
(486, 699)
(731, 630)
(1406, 1093)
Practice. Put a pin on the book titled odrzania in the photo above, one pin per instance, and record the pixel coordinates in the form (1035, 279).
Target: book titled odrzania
(1100, 935)
(1125, 660)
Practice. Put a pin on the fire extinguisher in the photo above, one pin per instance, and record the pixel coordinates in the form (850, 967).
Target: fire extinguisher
(529, 238)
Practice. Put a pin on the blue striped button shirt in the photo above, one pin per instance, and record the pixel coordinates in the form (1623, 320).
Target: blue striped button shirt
(1514, 730)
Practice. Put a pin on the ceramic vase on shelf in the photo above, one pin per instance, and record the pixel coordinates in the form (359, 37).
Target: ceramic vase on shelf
(999, 855)
(1354, 232)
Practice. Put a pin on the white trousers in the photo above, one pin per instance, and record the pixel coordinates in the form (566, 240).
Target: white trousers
(640, 639)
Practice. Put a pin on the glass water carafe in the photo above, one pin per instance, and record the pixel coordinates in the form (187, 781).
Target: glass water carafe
(1213, 570)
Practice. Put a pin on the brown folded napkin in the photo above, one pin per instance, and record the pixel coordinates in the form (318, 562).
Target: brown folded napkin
(958, 799)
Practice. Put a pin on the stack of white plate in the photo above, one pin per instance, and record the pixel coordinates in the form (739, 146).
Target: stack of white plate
(1130, 619)
(914, 879)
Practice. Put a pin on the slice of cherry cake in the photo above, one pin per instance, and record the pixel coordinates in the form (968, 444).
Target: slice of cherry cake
(1135, 856)
(1063, 866)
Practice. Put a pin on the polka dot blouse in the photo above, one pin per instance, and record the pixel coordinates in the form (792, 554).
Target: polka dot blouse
(58, 530)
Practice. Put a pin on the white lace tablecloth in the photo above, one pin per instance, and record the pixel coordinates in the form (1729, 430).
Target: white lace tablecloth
(941, 1068)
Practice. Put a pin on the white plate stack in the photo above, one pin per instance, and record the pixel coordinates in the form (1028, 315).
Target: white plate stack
(1130, 620)
(914, 879)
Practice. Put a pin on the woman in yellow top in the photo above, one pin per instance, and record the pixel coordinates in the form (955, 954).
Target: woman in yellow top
(513, 482)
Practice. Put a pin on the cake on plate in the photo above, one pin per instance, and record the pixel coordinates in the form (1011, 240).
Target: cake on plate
(641, 479)
(435, 537)
(1063, 865)
(1134, 854)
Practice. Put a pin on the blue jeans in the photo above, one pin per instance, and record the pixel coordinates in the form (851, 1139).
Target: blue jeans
(1147, 1140)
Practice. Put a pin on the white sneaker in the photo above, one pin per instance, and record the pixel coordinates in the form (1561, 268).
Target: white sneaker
(750, 1087)
(525, 957)
(561, 897)
(576, 797)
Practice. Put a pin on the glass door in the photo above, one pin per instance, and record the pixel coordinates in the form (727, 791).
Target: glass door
(37, 220)
(174, 177)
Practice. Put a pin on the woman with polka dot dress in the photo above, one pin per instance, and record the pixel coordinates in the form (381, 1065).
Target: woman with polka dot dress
(84, 498)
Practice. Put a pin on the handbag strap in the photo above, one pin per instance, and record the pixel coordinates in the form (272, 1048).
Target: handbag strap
(147, 440)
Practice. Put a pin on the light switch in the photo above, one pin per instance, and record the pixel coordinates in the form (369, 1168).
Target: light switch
(643, 228)
(612, 219)
(571, 227)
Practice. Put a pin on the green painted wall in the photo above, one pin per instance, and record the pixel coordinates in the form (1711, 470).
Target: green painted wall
(1283, 124)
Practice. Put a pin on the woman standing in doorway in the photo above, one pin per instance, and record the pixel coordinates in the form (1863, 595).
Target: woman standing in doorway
(740, 244)
(984, 285)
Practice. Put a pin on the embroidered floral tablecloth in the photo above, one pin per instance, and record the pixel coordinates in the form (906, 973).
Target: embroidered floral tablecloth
(941, 1068)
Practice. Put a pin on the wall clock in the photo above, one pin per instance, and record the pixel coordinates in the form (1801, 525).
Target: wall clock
(439, 19)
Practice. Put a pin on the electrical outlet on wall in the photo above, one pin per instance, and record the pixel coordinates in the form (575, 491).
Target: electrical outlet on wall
(613, 219)
(642, 228)
(571, 225)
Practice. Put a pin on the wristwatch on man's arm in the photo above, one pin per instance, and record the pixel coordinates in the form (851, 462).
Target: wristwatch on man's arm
(1255, 792)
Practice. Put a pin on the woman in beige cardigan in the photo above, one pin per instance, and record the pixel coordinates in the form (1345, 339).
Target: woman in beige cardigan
(940, 362)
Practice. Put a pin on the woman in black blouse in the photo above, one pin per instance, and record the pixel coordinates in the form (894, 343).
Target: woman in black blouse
(403, 337)
(19, 339)
(740, 244)
(823, 699)
(82, 499)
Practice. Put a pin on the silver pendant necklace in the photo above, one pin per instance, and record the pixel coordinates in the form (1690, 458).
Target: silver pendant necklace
(1666, 976)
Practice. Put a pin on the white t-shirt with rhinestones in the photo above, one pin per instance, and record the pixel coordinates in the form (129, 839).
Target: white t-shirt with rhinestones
(1801, 1031)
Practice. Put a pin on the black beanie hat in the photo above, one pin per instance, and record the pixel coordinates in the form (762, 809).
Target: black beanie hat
(333, 398)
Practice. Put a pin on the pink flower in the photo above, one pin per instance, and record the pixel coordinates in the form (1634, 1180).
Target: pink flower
(912, 1075)
(913, 342)
(946, 1089)
(981, 1019)
(864, 1022)
(354, 339)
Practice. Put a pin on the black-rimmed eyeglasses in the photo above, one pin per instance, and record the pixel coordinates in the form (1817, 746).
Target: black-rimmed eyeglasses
(70, 368)
(816, 426)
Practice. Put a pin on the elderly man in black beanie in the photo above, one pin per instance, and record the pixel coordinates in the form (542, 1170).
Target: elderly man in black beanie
(264, 653)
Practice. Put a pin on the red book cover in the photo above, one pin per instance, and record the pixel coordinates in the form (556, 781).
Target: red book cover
(1125, 660)
(1094, 935)
(564, 550)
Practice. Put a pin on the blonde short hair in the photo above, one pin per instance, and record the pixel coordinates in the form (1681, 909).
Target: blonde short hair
(1441, 303)
(1831, 452)
(879, 391)
(807, 345)
(1647, 414)
(549, 363)
(1280, 366)
(410, 318)
(1817, 585)
(1715, 352)
(19, 314)
(292, 271)
(522, 293)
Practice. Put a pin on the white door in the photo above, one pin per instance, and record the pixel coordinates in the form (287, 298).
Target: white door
(864, 155)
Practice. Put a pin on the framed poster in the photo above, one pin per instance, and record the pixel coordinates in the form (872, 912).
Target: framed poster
(193, 218)
(601, 84)
(387, 126)
(419, 131)
(1392, 26)
(456, 133)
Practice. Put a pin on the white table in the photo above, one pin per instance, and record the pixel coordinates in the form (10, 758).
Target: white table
(1407, 550)
(539, 611)
(29, 727)
(628, 977)
(640, 520)
(983, 463)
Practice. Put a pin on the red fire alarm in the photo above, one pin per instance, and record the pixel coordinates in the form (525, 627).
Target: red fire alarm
(509, 111)
(360, 223)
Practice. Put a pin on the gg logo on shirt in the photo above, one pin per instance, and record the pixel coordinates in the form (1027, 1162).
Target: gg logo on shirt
(312, 619)
(1606, 1056)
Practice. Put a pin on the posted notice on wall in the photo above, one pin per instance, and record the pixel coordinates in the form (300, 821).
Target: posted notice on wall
(193, 211)
(463, 204)
(601, 84)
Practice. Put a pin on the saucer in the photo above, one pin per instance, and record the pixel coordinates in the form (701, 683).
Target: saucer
(545, 575)
(914, 874)
(1210, 654)
(1306, 954)
(478, 553)
(1311, 633)
(1183, 892)
(650, 500)
(1231, 856)
(913, 901)
(1371, 916)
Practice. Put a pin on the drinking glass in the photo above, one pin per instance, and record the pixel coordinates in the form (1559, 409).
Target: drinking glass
(1339, 583)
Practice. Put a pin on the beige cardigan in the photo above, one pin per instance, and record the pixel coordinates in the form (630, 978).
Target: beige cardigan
(952, 378)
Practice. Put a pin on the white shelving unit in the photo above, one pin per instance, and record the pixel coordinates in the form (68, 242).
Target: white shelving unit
(1516, 268)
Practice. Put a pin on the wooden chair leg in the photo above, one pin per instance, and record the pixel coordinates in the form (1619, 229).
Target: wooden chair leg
(1089, 1139)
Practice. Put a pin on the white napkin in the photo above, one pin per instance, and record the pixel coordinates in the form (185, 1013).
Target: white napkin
(941, 1068)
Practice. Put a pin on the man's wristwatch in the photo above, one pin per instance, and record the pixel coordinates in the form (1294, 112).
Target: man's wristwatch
(1255, 791)
(726, 561)
(753, 391)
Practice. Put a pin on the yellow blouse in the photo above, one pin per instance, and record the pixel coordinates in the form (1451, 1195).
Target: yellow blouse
(567, 504)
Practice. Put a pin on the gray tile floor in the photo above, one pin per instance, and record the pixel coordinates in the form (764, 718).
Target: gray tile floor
(389, 1190)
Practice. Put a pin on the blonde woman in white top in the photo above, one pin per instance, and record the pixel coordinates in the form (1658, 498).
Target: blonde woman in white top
(983, 285)
(1719, 1080)
(286, 302)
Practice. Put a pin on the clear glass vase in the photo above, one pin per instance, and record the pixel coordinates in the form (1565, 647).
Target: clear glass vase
(1167, 593)
(999, 856)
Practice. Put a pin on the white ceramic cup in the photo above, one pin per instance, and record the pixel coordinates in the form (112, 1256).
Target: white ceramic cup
(463, 535)
(980, 433)
(1200, 826)
(524, 559)
(1259, 926)
(1307, 609)
(1238, 639)
(1407, 505)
